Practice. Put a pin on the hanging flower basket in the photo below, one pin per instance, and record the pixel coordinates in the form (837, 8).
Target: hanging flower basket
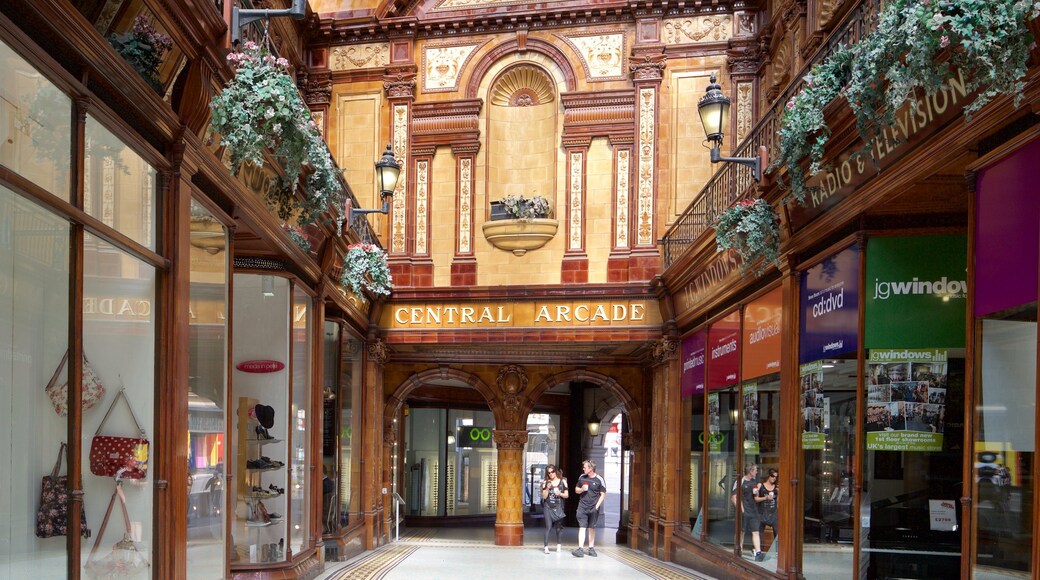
(261, 109)
(752, 229)
(298, 237)
(365, 268)
(143, 48)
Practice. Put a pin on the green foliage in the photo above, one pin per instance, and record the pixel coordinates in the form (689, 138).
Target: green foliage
(752, 229)
(917, 47)
(365, 268)
(261, 109)
(143, 48)
(298, 237)
(522, 208)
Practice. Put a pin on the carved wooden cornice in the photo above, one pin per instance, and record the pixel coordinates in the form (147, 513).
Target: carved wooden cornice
(664, 349)
(744, 57)
(399, 82)
(452, 123)
(791, 12)
(510, 439)
(812, 44)
(379, 351)
(591, 114)
(512, 379)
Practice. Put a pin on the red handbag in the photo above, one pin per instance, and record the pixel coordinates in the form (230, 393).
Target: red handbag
(125, 457)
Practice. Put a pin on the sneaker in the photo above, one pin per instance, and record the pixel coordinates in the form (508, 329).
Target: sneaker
(760, 556)
(578, 553)
(591, 552)
(545, 549)
(559, 548)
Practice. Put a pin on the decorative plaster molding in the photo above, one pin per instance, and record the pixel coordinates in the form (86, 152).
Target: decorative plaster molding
(510, 439)
(379, 351)
(442, 65)
(713, 28)
(648, 67)
(512, 379)
(399, 83)
(360, 56)
(602, 54)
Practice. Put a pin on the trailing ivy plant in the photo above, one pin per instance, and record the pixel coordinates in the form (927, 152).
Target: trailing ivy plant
(916, 48)
(298, 237)
(752, 229)
(261, 109)
(365, 268)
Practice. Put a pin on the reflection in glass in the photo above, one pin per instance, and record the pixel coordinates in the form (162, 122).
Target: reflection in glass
(118, 185)
(207, 387)
(349, 445)
(300, 417)
(828, 407)
(119, 335)
(697, 439)
(35, 125)
(723, 472)
(541, 449)
(760, 413)
(34, 302)
(1004, 447)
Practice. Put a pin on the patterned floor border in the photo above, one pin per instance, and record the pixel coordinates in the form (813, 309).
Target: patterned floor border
(376, 564)
(649, 566)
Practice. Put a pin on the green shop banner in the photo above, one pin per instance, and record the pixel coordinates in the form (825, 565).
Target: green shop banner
(751, 435)
(813, 405)
(916, 289)
(906, 399)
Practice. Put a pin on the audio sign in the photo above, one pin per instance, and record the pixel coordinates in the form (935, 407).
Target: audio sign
(474, 436)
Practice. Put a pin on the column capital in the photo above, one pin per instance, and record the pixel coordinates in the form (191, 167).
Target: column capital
(510, 439)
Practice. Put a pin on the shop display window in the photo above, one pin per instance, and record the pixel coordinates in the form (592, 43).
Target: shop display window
(724, 471)
(300, 417)
(341, 451)
(207, 396)
(262, 420)
(34, 302)
(35, 125)
(119, 324)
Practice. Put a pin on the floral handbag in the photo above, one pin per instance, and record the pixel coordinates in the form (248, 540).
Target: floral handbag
(52, 516)
(119, 456)
(126, 559)
(58, 391)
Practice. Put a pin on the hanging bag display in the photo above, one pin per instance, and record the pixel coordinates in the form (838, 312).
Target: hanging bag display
(52, 516)
(126, 559)
(58, 390)
(124, 456)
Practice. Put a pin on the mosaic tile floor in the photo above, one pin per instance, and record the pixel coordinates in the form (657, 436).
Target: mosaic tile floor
(453, 553)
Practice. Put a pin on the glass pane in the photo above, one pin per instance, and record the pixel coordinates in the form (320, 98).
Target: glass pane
(207, 394)
(118, 185)
(697, 439)
(301, 380)
(541, 450)
(259, 434)
(34, 303)
(350, 446)
(723, 472)
(828, 403)
(910, 502)
(119, 342)
(1004, 447)
(35, 125)
(331, 394)
(426, 436)
(760, 413)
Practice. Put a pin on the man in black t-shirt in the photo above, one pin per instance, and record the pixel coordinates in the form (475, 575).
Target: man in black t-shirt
(749, 509)
(593, 490)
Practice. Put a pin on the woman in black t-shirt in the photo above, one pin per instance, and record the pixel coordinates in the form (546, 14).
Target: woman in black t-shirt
(554, 491)
(766, 498)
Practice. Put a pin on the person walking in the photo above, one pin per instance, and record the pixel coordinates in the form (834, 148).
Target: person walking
(593, 491)
(765, 495)
(749, 508)
(554, 491)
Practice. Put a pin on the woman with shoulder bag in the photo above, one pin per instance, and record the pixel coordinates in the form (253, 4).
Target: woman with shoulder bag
(554, 491)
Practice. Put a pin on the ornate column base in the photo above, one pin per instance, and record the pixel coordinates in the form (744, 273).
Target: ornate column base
(509, 534)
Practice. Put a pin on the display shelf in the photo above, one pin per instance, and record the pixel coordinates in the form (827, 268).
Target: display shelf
(261, 469)
(262, 442)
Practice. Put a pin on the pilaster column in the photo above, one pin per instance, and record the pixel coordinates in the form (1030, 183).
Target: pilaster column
(376, 451)
(575, 266)
(792, 463)
(464, 263)
(647, 69)
(665, 445)
(399, 83)
(509, 522)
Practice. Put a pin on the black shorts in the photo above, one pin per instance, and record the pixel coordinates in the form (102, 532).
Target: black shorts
(751, 522)
(587, 518)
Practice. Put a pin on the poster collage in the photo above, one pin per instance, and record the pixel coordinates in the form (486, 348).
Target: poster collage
(906, 399)
(815, 407)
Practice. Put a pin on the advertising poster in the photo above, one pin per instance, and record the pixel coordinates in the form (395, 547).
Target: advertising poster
(916, 290)
(829, 303)
(751, 436)
(760, 349)
(714, 425)
(814, 405)
(906, 399)
(693, 364)
(724, 352)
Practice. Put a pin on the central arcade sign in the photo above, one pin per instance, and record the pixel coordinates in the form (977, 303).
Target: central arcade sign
(607, 313)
